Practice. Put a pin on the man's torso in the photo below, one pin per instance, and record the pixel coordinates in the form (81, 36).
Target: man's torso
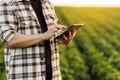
(29, 63)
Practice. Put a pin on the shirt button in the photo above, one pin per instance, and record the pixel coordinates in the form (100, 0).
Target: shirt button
(42, 58)
(38, 31)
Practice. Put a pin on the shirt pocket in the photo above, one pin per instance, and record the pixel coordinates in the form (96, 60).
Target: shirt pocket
(28, 26)
(26, 21)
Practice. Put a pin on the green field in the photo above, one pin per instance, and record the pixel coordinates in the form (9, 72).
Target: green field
(94, 53)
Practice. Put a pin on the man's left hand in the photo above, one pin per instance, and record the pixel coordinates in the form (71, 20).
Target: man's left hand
(68, 38)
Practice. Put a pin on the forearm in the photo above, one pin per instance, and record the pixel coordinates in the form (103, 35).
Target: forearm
(21, 40)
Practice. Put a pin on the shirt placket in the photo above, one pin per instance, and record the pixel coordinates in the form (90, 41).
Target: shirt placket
(34, 15)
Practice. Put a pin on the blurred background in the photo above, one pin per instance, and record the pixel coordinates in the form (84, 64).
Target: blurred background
(94, 53)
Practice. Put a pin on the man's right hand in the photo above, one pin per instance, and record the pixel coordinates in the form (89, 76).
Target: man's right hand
(52, 31)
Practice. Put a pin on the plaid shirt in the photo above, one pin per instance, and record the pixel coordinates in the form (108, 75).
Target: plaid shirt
(27, 63)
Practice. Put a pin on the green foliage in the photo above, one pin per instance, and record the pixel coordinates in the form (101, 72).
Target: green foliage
(73, 66)
(97, 42)
(2, 65)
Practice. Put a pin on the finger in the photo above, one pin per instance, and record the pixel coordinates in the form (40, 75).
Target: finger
(61, 26)
(58, 27)
(55, 30)
(64, 27)
(73, 35)
(55, 34)
(65, 37)
(60, 41)
(59, 32)
(73, 32)
(70, 35)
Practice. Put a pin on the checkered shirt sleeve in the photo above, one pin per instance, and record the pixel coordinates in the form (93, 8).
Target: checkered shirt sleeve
(7, 23)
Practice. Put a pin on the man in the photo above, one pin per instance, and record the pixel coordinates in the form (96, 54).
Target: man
(28, 28)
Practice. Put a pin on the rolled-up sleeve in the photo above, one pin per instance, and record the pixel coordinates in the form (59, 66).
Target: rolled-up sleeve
(8, 23)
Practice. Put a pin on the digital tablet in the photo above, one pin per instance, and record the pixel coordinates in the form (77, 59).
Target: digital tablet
(76, 26)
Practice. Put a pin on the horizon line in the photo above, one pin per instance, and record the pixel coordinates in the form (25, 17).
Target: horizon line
(118, 6)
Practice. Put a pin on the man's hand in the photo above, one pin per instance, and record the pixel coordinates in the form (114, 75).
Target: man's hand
(52, 31)
(68, 38)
